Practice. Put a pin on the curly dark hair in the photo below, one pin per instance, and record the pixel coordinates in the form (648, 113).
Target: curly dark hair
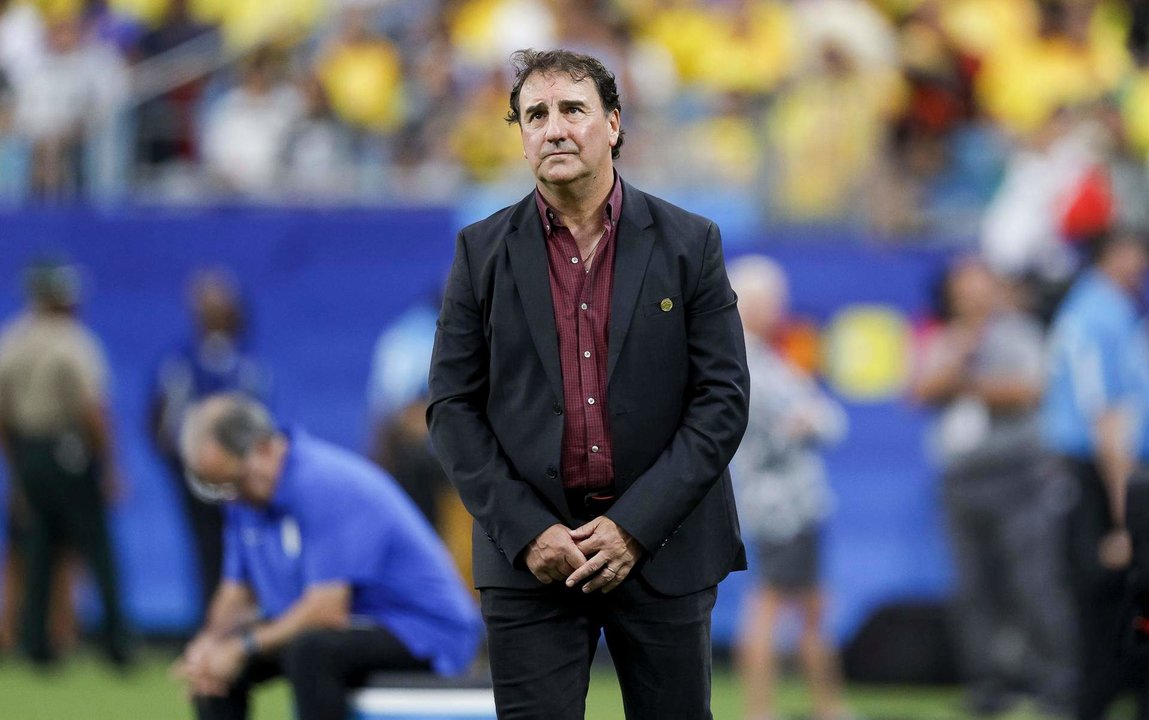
(579, 67)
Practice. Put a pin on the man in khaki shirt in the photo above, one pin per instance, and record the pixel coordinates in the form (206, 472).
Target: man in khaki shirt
(55, 437)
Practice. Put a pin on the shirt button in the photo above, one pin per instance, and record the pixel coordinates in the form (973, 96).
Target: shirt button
(574, 260)
(590, 401)
(586, 353)
(583, 306)
(594, 448)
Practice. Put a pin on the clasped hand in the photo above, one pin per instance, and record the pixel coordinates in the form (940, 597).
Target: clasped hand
(210, 665)
(599, 553)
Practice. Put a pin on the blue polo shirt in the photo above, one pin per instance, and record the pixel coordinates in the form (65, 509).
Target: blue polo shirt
(1093, 348)
(336, 517)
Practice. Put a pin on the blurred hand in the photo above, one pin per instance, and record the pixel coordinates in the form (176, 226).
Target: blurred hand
(210, 665)
(612, 552)
(192, 668)
(553, 555)
(1116, 549)
(226, 660)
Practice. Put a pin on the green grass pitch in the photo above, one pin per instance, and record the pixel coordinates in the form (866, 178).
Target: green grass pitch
(84, 689)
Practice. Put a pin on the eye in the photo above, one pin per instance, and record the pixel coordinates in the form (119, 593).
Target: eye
(536, 115)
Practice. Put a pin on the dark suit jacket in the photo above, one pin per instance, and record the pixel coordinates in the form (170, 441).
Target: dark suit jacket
(677, 391)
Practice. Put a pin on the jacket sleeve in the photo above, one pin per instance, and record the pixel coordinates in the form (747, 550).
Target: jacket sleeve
(713, 419)
(506, 507)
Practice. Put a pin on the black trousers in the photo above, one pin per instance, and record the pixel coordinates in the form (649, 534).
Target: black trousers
(1104, 672)
(542, 643)
(206, 524)
(66, 508)
(321, 667)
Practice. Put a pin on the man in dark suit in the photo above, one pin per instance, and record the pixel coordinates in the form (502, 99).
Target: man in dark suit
(588, 389)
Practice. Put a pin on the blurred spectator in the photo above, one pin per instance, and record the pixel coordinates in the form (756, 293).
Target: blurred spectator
(62, 102)
(12, 154)
(487, 149)
(826, 133)
(23, 41)
(215, 360)
(247, 24)
(56, 438)
(164, 123)
(107, 25)
(742, 46)
(247, 130)
(1054, 191)
(330, 573)
(891, 113)
(1087, 420)
(362, 74)
(783, 499)
(318, 150)
(1075, 56)
(397, 391)
(982, 371)
(486, 32)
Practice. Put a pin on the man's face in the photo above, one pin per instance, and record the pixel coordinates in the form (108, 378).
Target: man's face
(249, 478)
(567, 134)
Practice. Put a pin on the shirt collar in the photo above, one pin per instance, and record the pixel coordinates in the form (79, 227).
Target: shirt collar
(284, 495)
(613, 207)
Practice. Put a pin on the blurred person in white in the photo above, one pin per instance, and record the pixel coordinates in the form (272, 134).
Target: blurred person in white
(783, 499)
(63, 102)
(1024, 228)
(982, 372)
(56, 438)
(246, 131)
(22, 37)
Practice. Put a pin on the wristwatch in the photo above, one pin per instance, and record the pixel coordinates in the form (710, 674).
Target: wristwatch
(250, 645)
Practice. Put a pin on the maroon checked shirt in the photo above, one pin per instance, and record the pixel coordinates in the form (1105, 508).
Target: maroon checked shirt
(582, 316)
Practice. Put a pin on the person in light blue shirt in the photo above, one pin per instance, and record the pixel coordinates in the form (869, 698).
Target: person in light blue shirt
(330, 572)
(397, 392)
(1089, 416)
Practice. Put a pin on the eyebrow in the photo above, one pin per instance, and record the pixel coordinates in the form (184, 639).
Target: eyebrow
(563, 105)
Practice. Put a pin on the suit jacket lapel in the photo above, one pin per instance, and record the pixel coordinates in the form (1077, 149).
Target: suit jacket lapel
(635, 241)
(527, 250)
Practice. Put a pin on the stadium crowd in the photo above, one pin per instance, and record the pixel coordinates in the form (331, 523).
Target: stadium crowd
(903, 114)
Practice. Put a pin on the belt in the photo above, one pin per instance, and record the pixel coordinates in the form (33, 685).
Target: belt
(588, 505)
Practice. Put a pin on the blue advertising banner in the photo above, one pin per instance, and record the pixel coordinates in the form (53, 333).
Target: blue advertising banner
(321, 285)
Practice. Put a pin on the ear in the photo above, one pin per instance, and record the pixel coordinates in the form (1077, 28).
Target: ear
(614, 120)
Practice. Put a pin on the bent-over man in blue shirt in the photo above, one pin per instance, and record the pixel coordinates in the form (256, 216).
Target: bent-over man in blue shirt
(329, 570)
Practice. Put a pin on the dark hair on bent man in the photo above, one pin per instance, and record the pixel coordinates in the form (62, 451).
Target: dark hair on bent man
(241, 424)
(579, 67)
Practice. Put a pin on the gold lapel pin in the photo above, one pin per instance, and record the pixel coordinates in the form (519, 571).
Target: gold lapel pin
(667, 305)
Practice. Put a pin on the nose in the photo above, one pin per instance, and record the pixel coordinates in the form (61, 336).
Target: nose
(556, 128)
